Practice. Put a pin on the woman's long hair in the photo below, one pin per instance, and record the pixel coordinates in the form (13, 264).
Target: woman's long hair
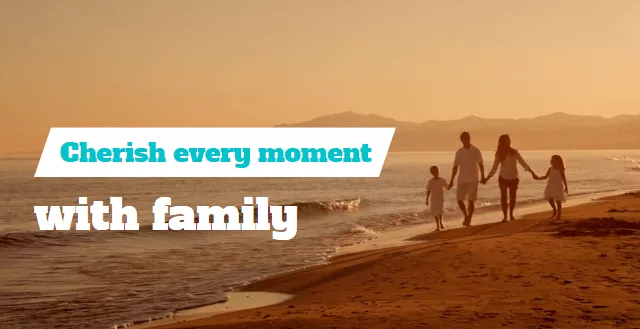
(504, 147)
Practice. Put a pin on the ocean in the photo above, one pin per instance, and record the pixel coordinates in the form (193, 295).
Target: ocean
(100, 280)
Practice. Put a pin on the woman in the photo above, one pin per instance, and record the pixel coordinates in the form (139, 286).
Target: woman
(507, 158)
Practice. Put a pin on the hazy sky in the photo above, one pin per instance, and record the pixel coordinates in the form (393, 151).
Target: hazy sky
(264, 62)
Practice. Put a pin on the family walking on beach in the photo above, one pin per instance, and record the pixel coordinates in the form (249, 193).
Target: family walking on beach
(468, 165)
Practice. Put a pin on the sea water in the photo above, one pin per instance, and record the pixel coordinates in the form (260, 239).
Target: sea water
(98, 279)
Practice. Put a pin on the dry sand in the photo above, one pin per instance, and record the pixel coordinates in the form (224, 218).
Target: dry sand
(579, 272)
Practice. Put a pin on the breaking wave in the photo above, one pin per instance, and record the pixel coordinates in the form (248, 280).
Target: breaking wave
(328, 206)
(625, 159)
(41, 238)
(636, 162)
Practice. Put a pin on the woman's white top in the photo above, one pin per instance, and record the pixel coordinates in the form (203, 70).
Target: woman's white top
(509, 166)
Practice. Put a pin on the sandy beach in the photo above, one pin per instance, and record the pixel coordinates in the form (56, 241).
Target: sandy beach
(579, 272)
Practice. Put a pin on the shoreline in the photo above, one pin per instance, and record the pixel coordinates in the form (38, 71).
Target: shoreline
(256, 294)
(236, 301)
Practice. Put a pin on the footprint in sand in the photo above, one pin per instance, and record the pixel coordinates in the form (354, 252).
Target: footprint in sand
(582, 301)
(491, 315)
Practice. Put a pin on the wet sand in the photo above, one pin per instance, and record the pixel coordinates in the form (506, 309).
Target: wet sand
(579, 272)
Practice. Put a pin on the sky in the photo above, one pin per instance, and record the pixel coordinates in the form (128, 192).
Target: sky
(265, 62)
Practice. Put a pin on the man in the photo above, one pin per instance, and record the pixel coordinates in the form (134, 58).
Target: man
(471, 168)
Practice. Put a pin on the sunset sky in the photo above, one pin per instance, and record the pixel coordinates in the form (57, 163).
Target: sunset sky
(264, 62)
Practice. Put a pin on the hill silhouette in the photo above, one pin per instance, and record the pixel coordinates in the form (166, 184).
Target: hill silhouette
(557, 131)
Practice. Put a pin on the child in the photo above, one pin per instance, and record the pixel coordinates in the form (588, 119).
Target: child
(557, 188)
(435, 192)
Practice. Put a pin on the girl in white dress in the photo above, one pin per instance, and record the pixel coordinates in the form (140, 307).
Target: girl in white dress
(557, 188)
(435, 195)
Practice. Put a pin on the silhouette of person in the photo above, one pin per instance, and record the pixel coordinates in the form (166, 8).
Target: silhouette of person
(507, 158)
(557, 187)
(468, 162)
(436, 187)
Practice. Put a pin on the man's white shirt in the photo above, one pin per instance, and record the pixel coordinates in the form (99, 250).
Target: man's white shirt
(468, 161)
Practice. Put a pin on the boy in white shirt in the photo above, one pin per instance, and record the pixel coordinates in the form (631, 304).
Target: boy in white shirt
(435, 194)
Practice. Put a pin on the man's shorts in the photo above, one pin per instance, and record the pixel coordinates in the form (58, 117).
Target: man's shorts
(467, 191)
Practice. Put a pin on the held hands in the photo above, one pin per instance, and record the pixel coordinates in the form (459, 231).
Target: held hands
(534, 175)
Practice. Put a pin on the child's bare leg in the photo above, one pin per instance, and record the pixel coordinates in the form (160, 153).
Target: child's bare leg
(437, 224)
(553, 206)
(559, 206)
(441, 225)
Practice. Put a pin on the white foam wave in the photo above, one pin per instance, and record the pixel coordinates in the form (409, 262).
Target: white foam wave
(624, 159)
(359, 229)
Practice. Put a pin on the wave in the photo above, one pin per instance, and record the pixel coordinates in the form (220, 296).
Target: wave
(328, 206)
(635, 168)
(624, 159)
(361, 230)
(318, 207)
(42, 238)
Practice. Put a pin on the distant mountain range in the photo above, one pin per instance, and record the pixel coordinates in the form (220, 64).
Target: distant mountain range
(557, 131)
